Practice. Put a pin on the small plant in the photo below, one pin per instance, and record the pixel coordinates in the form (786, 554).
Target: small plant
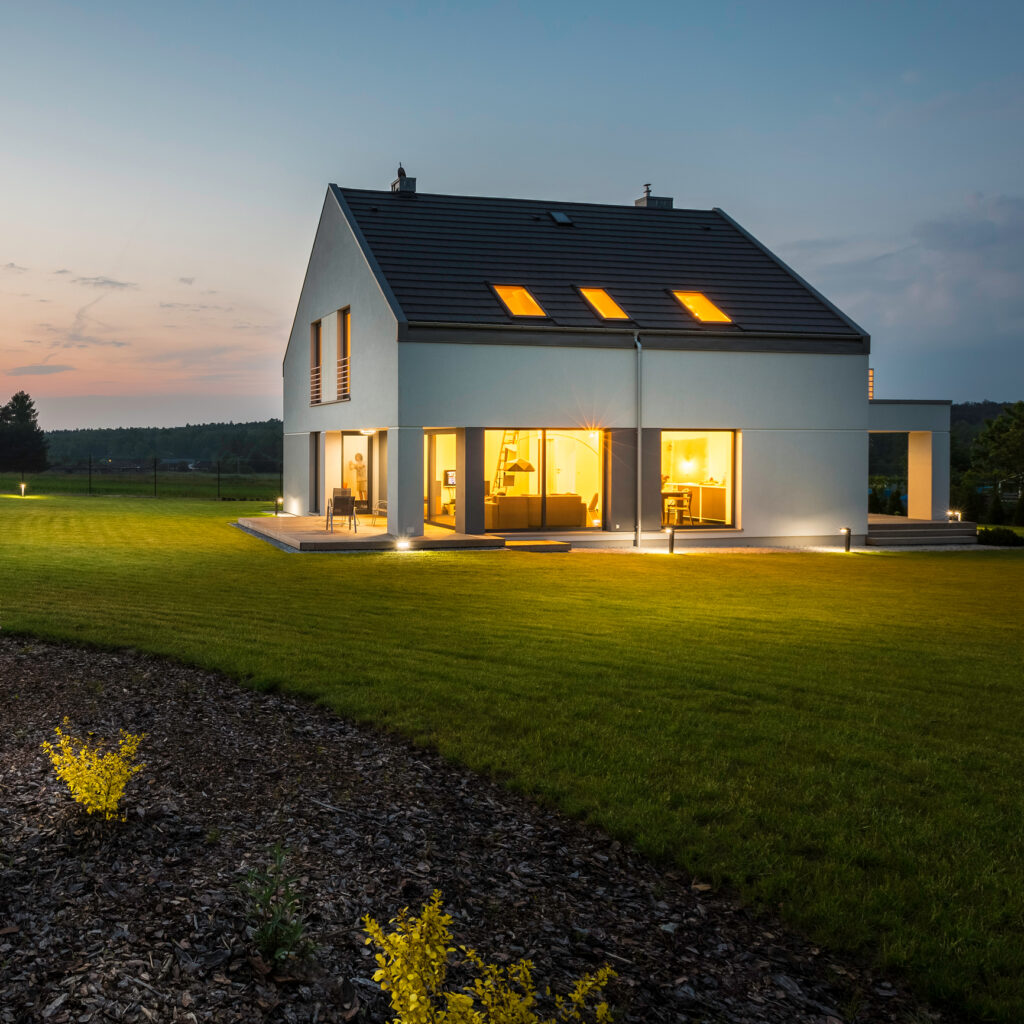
(97, 779)
(274, 908)
(1001, 536)
(413, 967)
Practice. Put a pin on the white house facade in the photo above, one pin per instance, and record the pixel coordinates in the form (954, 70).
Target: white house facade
(517, 367)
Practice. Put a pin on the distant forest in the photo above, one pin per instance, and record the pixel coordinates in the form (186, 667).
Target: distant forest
(238, 447)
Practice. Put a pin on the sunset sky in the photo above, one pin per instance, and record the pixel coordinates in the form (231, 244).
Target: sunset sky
(162, 168)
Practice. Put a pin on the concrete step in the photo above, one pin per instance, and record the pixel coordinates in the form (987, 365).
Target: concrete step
(888, 534)
(538, 545)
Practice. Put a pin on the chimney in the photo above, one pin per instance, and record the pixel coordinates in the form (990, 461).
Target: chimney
(655, 202)
(403, 183)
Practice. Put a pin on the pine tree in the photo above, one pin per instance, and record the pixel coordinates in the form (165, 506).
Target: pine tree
(22, 442)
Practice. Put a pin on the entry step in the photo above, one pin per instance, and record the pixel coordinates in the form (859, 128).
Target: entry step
(538, 545)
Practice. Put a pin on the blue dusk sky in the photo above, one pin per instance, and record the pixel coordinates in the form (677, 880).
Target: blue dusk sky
(162, 168)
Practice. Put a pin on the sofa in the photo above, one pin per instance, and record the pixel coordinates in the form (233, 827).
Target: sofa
(523, 511)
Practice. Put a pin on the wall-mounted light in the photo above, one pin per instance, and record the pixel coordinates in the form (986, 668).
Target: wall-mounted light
(845, 530)
(368, 433)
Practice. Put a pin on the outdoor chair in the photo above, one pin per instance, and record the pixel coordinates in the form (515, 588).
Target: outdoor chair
(344, 507)
(380, 508)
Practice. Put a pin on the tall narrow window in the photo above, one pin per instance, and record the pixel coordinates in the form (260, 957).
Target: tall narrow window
(344, 354)
(315, 363)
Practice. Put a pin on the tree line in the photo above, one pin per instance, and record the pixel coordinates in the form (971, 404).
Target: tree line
(240, 447)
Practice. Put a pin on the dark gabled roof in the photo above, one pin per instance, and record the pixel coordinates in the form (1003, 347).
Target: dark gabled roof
(440, 254)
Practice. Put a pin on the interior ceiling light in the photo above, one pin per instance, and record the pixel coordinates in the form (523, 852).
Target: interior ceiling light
(702, 308)
(518, 301)
(604, 305)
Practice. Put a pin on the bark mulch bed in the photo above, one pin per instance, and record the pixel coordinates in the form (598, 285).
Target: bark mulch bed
(144, 920)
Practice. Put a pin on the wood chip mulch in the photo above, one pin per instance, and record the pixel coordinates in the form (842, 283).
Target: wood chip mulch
(144, 920)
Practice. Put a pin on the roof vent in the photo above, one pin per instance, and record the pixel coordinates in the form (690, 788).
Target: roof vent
(403, 183)
(656, 202)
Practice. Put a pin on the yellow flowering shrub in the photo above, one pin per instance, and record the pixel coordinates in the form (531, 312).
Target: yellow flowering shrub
(413, 967)
(96, 778)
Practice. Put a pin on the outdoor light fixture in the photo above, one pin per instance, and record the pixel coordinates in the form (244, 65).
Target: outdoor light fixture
(846, 531)
(671, 531)
(367, 433)
(278, 505)
(402, 544)
(954, 515)
(23, 488)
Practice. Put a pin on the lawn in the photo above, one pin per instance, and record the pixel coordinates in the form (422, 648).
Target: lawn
(839, 737)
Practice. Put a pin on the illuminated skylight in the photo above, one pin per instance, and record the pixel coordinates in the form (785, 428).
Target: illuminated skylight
(702, 308)
(604, 305)
(518, 301)
(560, 218)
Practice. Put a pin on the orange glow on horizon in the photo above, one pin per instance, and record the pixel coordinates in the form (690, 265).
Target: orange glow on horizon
(702, 307)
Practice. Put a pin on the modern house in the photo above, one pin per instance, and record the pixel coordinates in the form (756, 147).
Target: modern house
(521, 366)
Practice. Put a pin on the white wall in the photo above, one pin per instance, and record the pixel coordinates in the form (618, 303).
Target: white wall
(337, 276)
(803, 418)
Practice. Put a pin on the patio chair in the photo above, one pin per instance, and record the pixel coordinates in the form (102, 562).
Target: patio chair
(380, 508)
(344, 507)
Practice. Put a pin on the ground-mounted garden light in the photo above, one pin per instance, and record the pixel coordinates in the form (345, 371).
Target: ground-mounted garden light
(671, 531)
(402, 544)
(23, 488)
(846, 531)
(954, 515)
(278, 506)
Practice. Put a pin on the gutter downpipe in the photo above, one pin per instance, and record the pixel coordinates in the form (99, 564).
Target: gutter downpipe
(639, 435)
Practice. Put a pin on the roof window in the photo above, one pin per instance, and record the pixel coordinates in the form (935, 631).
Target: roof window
(604, 305)
(702, 308)
(518, 301)
(560, 218)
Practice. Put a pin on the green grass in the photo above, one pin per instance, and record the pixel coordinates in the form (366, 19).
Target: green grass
(837, 736)
(169, 484)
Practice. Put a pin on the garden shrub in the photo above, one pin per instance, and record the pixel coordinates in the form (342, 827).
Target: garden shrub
(96, 779)
(1018, 510)
(413, 967)
(274, 908)
(1000, 536)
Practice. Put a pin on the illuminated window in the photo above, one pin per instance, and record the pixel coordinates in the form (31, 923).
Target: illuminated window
(702, 308)
(604, 305)
(697, 470)
(518, 301)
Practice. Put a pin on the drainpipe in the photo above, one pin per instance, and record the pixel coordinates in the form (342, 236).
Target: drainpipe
(639, 435)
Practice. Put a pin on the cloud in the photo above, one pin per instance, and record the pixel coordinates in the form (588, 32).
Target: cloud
(194, 307)
(14, 268)
(950, 291)
(186, 280)
(107, 283)
(62, 271)
(38, 370)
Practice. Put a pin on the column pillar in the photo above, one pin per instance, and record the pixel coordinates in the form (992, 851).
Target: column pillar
(927, 474)
(469, 480)
(405, 481)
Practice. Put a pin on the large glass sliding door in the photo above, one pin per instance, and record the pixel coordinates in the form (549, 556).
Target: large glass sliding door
(542, 479)
(439, 478)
